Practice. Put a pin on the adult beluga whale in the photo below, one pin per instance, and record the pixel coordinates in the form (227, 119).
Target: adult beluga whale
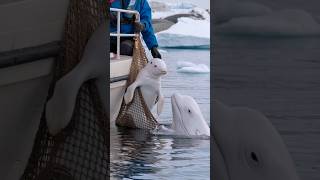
(247, 147)
(149, 81)
(187, 118)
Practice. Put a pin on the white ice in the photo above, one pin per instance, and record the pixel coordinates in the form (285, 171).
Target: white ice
(162, 10)
(187, 32)
(188, 67)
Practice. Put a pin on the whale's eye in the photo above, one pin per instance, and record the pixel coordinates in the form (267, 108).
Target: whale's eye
(189, 110)
(254, 157)
(155, 66)
(151, 62)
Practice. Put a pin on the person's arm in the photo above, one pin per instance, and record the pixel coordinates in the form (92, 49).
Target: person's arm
(148, 32)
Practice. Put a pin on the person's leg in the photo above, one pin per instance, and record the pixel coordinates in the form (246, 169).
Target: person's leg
(113, 45)
(126, 47)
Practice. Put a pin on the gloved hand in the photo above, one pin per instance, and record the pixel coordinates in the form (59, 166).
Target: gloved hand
(155, 53)
(138, 27)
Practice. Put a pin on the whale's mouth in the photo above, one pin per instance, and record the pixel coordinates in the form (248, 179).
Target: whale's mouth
(163, 72)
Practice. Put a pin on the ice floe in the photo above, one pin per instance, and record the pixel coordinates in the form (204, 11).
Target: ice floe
(188, 67)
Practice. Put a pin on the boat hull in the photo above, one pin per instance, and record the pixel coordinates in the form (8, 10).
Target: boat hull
(23, 92)
(119, 71)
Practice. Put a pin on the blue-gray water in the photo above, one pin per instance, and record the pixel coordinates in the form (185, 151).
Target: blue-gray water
(136, 154)
(281, 78)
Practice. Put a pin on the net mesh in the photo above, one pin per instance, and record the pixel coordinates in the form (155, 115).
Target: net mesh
(80, 151)
(136, 114)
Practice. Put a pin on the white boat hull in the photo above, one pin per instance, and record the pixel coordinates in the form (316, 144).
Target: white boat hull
(119, 70)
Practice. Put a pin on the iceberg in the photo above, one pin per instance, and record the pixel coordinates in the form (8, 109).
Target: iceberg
(181, 64)
(165, 14)
(288, 22)
(186, 33)
(157, 6)
(189, 67)
(162, 10)
(182, 5)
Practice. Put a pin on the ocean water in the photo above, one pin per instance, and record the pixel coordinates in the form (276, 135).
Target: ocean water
(137, 154)
(279, 77)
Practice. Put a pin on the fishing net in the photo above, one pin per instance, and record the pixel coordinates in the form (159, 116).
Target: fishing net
(80, 151)
(136, 114)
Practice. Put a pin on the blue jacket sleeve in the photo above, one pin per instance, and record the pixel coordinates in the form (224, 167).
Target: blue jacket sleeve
(145, 18)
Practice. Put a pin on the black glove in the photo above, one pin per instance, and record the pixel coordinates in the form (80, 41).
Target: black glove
(138, 27)
(155, 53)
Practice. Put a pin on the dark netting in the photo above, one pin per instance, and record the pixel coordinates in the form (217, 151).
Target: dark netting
(136, 114)
(80, 151)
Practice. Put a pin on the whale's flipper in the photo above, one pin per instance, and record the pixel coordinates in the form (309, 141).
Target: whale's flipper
(93, 65)
(128, 96)
(160, 104)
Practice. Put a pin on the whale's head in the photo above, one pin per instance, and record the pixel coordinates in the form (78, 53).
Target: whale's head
(247, 146)
(157, 67)
(187, 117)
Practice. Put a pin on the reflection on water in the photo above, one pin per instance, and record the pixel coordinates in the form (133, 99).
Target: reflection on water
(141, 155)
(137, 154)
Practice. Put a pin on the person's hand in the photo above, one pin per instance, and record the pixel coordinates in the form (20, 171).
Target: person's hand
(155, 53)
(138, 27)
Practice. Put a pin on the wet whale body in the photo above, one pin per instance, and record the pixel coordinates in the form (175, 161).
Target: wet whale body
(149, 81)
(187, 120)
(187, 117)
(247, 147)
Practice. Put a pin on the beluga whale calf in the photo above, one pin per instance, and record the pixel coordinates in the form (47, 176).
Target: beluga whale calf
(149, 81)
(187, 118)
(246, 146)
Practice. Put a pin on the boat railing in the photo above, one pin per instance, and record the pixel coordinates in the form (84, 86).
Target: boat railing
(118, 33)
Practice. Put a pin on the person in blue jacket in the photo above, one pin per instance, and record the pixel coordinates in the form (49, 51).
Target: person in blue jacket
(129, 25)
